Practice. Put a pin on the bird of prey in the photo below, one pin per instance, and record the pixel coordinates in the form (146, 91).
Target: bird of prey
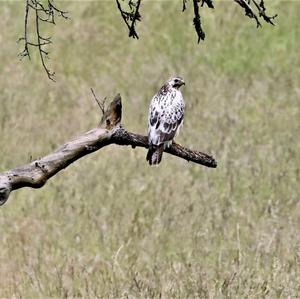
(165, 117)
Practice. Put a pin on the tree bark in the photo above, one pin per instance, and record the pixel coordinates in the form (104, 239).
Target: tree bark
(109, 131)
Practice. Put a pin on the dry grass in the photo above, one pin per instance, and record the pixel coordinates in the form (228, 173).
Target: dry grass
(111, 227)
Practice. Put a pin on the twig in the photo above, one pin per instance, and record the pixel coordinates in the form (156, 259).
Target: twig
(42, 52)
(262, 12)
(249, 12)
(132, 16)
(44, 14)
(101, 104)
(197, 22)
(25, 52)
(136, 17)
(197, 17)
(209, 3)
(184, 5)
(123, 14)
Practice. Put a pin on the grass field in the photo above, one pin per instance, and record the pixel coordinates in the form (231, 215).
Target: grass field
(109, 226)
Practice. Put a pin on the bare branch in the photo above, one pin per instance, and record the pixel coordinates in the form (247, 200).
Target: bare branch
(184, 5)
(197, 17)
(40, 44)
(249, 11)
(262, 12)
(101, 104)
(44, 14)
(38, 172)
(197, 21)
(136, 17)
(25, 52)
(53, 8)
(132, 16)
(209, 3)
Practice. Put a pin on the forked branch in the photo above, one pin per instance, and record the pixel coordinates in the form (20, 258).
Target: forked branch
(110, 131)
(261, 11)
(42, 14)
(132, 16)
(252, 9)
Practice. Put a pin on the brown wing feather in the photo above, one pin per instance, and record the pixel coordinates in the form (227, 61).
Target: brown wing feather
(169, 130)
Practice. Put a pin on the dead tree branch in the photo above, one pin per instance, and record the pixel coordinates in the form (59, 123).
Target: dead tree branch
(197, 21)
(110, 131)
(42, 14)
(101, 104)
(131, 17)
(261, 9)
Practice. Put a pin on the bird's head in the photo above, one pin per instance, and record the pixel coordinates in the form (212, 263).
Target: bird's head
(176, 82)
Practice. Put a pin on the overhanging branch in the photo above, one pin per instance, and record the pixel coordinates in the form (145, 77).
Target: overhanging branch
(43, 13)
(197, 21)
(110, 131)
(46, 12)
(249, 11)
(131, 17)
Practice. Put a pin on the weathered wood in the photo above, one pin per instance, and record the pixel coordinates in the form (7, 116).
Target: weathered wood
(110, 131)
(122, 137)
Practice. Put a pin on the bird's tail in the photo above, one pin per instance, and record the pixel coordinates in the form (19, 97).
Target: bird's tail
(155, 153)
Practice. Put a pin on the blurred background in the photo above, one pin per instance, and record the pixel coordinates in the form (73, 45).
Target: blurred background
(109, 226)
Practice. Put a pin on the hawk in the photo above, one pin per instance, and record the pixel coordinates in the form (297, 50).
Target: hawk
(165, 117)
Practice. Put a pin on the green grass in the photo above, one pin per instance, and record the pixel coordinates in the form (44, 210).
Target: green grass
(109, 226)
